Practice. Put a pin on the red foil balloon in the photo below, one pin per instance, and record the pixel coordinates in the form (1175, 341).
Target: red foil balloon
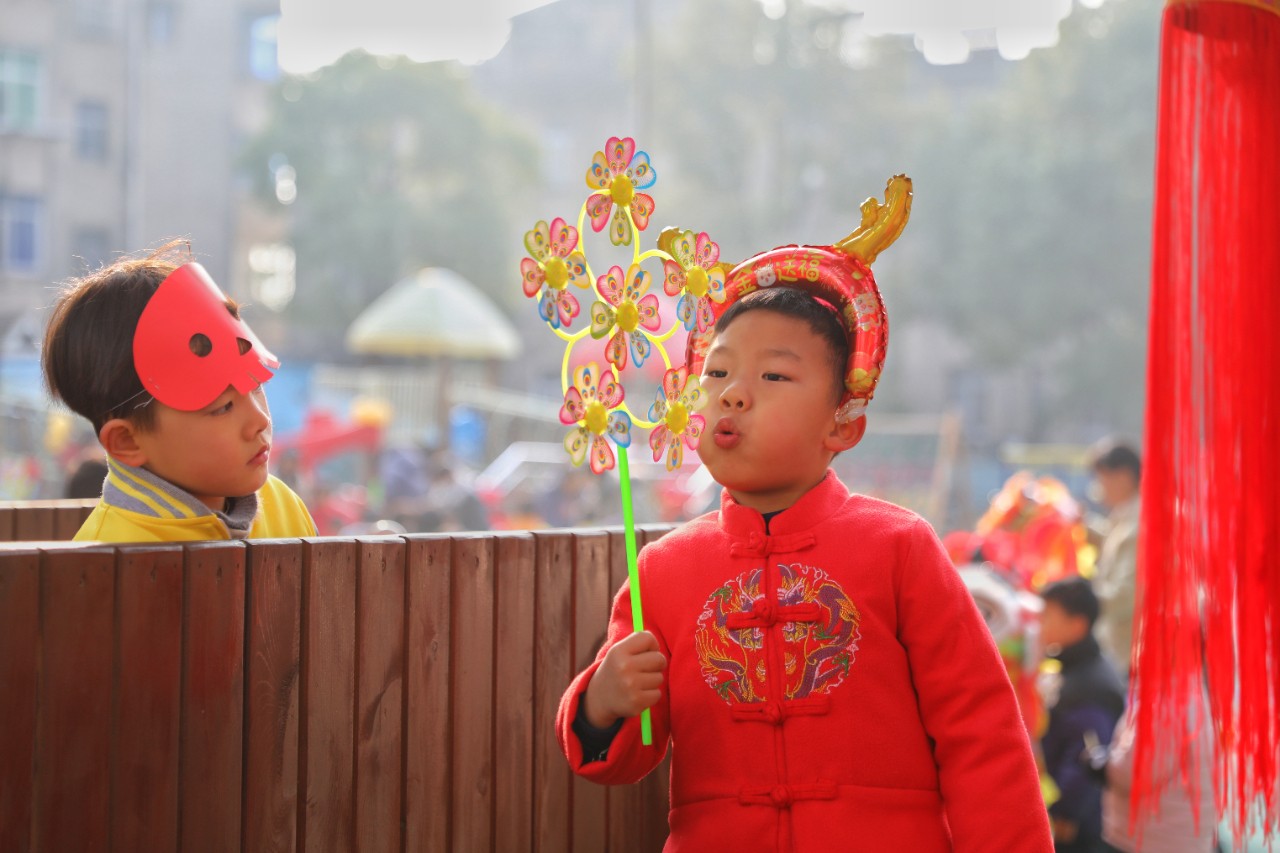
(839, 275)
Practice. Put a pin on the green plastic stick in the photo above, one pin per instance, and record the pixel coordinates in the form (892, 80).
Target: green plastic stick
(633, 572)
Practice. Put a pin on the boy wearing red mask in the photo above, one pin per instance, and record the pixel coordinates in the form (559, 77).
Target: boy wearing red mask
(157, 358)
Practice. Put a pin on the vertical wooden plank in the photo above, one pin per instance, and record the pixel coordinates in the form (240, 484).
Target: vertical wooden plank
(428, 728)
(73, 751)
(379, 694)
(326, 759)
(553, 670)
(593, 595)
(212, 731)
(144, 782)
(34, 523)
(8, 515)
(590, 619)
(655, 801)
(513, 694)
(19, 648)
(472, 815)
(626, 803)
(271, 696)
(67, 519)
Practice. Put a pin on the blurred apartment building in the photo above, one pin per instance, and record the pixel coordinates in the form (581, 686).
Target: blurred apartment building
(120, 122)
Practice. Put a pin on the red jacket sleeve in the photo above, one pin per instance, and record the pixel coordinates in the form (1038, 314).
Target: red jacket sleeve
(990, 787)
(628, 759)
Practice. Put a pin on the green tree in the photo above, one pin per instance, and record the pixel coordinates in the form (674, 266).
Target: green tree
(1047, 254)
(1030, 233)
(399, 165)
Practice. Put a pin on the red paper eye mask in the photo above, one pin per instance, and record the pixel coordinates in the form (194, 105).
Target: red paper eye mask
(186, 307)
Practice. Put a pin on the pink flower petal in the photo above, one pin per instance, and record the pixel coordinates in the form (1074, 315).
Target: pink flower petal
(532, 276)
(598, 208)
(564, 237)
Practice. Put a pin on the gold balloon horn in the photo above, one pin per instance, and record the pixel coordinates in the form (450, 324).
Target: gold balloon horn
(881, 223)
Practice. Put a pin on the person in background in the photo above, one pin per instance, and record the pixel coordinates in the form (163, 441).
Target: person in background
(1185, 817)
(1117, 472)
(87, 479)
(1085, 699)
(451, 505)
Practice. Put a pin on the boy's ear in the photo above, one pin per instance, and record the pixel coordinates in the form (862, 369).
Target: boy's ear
(119, 438)
(845, 435)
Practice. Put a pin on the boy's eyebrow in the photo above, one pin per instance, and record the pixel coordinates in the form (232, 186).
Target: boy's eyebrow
(777, 352)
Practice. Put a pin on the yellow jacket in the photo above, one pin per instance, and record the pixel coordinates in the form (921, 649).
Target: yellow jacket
(281, 514)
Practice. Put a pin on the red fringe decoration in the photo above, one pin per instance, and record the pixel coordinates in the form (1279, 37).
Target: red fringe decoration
(1209, 566)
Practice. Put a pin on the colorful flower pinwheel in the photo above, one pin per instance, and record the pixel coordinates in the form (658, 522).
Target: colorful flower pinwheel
(616, 174)
(677, 425)
(694, 275)
(627, 310)
(554, 266)
(592, 404)
(628, 315)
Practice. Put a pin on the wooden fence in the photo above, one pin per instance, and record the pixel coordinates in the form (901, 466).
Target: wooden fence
(371, 694)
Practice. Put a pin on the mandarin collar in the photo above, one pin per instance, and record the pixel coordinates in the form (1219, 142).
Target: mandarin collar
(814, 507)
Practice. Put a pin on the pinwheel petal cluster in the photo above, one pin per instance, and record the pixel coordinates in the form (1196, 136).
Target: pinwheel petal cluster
(695, 276)
(624, 314)
(628, 311)
(617, 174)
(591, 404)
(555, 264)
(674, 410)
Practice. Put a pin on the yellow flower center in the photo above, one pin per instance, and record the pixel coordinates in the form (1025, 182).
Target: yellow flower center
(557, 273)
(696, 281)
(597, 417)
(677, 418)
(628, 316)
(622, 190)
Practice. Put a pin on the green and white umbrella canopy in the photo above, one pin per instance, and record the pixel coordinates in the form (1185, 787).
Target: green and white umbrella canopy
(437, 313)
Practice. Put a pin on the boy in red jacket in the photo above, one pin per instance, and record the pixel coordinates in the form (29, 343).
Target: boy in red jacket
(823, 676)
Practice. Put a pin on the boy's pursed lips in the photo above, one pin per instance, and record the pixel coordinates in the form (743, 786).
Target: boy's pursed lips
(726, 434)
(261, 457)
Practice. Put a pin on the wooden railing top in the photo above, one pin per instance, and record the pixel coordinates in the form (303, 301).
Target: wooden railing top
(22, 521)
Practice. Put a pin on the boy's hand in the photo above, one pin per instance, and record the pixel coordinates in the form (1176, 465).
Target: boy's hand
(628, 681)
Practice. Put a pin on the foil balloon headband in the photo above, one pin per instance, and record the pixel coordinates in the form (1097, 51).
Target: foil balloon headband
(629, 316)
(839, 275)
(189, 347)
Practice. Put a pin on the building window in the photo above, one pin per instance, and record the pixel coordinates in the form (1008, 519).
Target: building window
(263, 56)
(160, 22)
(19, 90)
(91, 130)
(20, 234)
(93, 16)
(90, 248)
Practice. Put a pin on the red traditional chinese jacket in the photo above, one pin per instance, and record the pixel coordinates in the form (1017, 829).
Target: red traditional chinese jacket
(831, 686)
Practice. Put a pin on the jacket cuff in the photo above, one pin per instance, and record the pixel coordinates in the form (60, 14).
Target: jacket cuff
(605, 767)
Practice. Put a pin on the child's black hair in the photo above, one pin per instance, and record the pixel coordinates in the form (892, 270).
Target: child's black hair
(1074, 595)
(800, 305)
(1117, 456)
(88, 345)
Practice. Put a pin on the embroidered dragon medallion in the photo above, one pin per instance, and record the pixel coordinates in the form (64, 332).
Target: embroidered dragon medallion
(816, 655)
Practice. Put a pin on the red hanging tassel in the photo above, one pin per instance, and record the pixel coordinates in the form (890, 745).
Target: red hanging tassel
(1209, 554)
